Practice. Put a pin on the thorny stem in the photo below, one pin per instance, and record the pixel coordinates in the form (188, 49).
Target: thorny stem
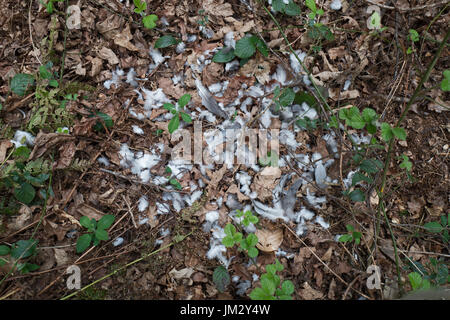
(44, 210)
(126, 266)
(416, 93)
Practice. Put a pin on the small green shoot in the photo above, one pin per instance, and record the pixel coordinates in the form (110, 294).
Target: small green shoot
(178, 113)
(352, 235)
(96, 231)
(270, 285)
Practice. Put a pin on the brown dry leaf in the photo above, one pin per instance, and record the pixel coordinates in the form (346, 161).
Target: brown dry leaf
(327, 75)
(70, 218)
(269, 240)
(96, 67)
(258, 68)
(212, 73)
(214, 8)
(110, 27)
(215, 179)
(185, 273)
(233, 189)
(61, 257)
(123, 39)
(66, 154)
(327, 256)
(344, 95)
(308, 293)
(4, 146)
(265, 182)
(437, 106)
(107, 54)
(337, 52)
(175, 91)
(45, 141)
(90, 212)
(22, 219)
(332, 289)
(416, 205)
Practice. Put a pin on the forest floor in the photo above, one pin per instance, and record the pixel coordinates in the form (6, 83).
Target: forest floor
(171, 220)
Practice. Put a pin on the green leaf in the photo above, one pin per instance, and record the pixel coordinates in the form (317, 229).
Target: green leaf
(245, 47)
(261, 46)
(253, 252)
(186, 118)
(415, 279)
(224, 55)
(371, 165)
(357, 195)
(260, 294)
(278, 5)
(184, 100)
(413, 35)
(292, 9)
(268, 286)
(287, 287)
(311, 4)
(386, 132)
(86, 222)
(150, 21)
(23, 249)
(228, 241)
(175, 183)
(434, 227)
(24, 268)
(443, 221)
(358, 177)
(44, 73)
(140, 6)
(252, 240)
(345, 238)
(287, 97)
(350, 228)
(230, 229)
(106, 119)
(25, 193)
(400, 133)
(221, 278)
(405, 164)
(21, 82)
(165, 41)
(4, 250)
(105, 222)
(334, 122)
(84, 242)
(369, 115)
(278, 265)
(445, 83)
(101, 234)
(174, 123)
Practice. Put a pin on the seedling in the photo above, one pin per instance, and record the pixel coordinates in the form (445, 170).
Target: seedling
(441, 227)
(270, 285)
(221, 278)
(22, 249)
(433, 274)
(413, 37)
(445, 83)
(149, 21)
(173, 181)
(248, 217)
(245, 48)
(290, 8)
(352, 235)
(49, 6)
(178, 113)
(235, 238)
(96, 231)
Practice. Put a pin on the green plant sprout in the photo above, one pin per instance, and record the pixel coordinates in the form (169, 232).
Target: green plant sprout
(96, 231)
(177, 113)
(19, 250)
(173, 181)
(442, 227)
(245, 48)
(149, 21)
(270, 285)
(352, 235)
(290, 8)
(247, 216)
(413, 37)
(49, 5)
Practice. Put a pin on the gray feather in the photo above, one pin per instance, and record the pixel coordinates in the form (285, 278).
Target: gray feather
(208, 101)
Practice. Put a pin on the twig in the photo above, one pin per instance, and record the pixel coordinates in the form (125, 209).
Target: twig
(426, 6)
